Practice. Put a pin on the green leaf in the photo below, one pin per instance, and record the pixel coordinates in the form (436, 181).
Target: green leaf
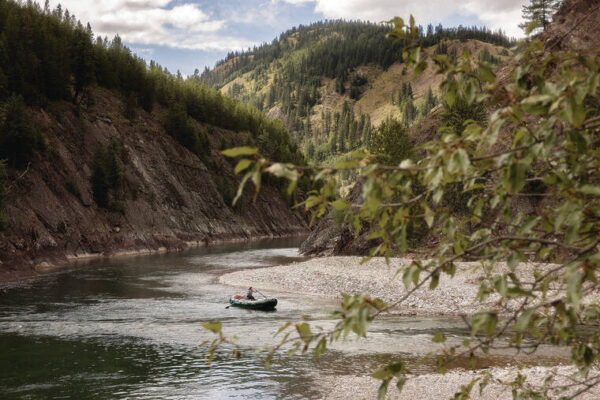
(242, 165)
(340, 205)
(516, 176)
(484, 321)
(320, 348)
(435, 280)
(429, 215)
(411, 275)
(451, 95)
(574, 113)
(240, 151)
(214, 327)
(574, 282)
(383, 388)
(486, 73)
(400, 383)
(524, 320)
(304, 332)
(420, 68)
(459, 162)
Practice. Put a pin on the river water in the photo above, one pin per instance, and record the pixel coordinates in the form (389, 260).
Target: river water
(129, 329)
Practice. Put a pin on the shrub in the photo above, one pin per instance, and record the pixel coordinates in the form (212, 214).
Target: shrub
(18, 137)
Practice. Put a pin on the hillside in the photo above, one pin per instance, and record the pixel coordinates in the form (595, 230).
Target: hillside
(333, 82)
(107, 155)
(572, 28)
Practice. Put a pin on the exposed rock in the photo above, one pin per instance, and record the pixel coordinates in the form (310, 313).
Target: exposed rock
(170, 196)
(277, 113)
(574, 24)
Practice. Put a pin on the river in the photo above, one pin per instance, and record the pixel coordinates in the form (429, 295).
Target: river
(129, 328)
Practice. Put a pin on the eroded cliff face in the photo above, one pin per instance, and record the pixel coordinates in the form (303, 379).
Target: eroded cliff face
(170, 198)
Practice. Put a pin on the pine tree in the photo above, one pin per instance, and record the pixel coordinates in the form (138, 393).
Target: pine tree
(19, 139)
(540, 12)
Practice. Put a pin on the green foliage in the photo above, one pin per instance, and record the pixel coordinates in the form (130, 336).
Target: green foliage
(294, 64)
(19, 139)
(130, 106)
(544, 128)
(430, 102)
(460, 112)
(178, 124)
(391, 144)
(48, 55)
(107, 176)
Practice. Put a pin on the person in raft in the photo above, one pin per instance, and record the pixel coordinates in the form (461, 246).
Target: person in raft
(249, 295)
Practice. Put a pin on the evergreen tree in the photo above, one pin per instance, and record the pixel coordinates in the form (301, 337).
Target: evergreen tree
(391, 143)
(430, 101)
(19, 139)
(539, 12)
(107, 176)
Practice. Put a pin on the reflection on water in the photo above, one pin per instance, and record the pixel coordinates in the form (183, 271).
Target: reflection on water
(128, 328)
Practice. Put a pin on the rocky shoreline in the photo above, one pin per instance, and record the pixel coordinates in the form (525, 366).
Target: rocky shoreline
(444, 386)
(330, 276)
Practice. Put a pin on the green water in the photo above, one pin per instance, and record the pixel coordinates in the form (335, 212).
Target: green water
(128, 328)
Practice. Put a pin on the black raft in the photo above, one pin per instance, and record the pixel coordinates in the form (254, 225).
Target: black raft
(261, 304)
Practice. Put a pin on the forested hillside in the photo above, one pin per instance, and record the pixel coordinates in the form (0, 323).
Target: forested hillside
(102, 153)
(332, 82)
(48, 55)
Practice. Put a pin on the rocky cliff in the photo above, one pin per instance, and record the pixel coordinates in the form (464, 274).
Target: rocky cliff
(170, 197)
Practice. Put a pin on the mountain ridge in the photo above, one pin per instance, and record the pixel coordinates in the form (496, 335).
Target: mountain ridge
(346, 68)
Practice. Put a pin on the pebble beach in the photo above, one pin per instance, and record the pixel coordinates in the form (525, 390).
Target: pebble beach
(331, 276)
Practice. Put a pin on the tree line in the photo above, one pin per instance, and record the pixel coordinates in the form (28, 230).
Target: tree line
(48, 55)
(289, 71)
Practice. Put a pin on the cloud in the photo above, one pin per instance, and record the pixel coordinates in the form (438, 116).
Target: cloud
(505, 14)
(154, 22)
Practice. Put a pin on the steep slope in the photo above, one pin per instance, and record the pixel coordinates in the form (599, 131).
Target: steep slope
(171, 198)
(333, 82)
(101, 153)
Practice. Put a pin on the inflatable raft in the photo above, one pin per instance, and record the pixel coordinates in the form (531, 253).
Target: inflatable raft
(259, 304)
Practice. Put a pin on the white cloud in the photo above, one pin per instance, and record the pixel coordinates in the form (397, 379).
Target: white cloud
(505, 14)
(183, 26)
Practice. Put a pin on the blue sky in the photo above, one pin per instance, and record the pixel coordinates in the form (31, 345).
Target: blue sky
(188, 34)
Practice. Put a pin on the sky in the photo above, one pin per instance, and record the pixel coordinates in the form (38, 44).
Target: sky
(188, 34)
